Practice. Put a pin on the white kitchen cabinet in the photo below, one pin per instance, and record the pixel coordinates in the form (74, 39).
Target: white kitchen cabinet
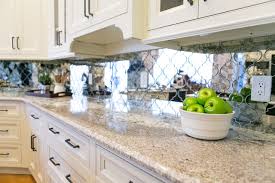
(11, 133)
(20, 30)
(36, 120)
(28, 40)
(59, 40)
(36, 157)
(10, 155)
(216, 21)
(58, 153)
(86, 13)
(8, 31)
(212, 7)
(113, 169)
(168, 12)
(103, 10)
(81, 14)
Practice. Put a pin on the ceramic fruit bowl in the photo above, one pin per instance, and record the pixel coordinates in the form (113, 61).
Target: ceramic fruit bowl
(206, 126)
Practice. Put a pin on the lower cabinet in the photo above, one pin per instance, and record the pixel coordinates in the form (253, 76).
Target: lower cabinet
(12, 145)
(62, 169)
(36, 158)
(59, 153)
(10, 155)
(111, 168)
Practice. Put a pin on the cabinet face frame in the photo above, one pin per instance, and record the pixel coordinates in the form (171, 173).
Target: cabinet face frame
(179, 14)
(212, 7)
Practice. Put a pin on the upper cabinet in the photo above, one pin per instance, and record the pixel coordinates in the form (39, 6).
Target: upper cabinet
(81, 14)
(86, 13)
(20, 30)
(58, 38)
(8, 31)
(28, 40)
(108, 27)
(179, 23)
(211, 7)
(103, 10)
(169, 12)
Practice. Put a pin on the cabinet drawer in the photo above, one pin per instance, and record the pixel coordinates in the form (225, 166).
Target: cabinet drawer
(10, 109)
(62, 169)
(111, 168)
(10, 155)
(9, 132)
(35, 117)
(52, 177)
(74, 143)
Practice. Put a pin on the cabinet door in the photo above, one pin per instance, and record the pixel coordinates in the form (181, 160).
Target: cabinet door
(8, 27)
(28, 40)
(103, 10)
(36, 158)
(80, 14)
(167, 12)
(61, 22)
(211, 7)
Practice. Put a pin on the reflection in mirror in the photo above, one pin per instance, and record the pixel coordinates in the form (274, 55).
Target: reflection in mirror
(169, 4)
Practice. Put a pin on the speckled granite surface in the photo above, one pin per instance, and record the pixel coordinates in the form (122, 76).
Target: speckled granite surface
(157, 143)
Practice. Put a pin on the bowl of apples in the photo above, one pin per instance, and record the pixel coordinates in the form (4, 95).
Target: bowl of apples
(206, 116)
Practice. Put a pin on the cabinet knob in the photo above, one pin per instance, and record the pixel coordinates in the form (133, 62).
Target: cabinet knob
(131, 181)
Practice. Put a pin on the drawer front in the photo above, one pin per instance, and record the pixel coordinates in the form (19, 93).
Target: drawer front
(35, 117)
(9, 132)
(74, 143)
(111, 168)
(62, 169)
(10, 155)
(10, 109)
(52, 177)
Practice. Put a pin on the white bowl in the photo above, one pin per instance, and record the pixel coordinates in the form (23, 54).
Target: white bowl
(206, 126)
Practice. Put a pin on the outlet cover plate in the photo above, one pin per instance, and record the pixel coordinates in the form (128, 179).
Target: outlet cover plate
(261, 88)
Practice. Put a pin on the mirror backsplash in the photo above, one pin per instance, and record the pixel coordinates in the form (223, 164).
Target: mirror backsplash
(162, 77)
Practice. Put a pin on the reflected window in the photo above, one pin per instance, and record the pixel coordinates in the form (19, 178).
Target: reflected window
(169, 4)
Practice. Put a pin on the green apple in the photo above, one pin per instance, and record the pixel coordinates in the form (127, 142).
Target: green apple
(188, 102)
(196, 108)
(235, 97)
(204, 94)
(215, 105)
(228, 107)
(245, 92)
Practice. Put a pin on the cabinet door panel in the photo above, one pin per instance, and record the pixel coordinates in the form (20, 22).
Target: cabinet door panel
(211, 7)
(8, 28)
(29, 39)
(168, 12)
(80, 17)
(107, 9)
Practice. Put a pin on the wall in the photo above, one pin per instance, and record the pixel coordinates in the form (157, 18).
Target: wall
(160, 75)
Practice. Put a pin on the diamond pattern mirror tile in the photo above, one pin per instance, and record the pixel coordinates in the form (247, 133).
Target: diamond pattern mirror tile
(160, 80)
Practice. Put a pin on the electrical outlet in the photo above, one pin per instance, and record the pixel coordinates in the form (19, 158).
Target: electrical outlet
(261, 88)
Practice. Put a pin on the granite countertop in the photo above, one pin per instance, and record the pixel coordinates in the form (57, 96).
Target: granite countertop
(157, 143)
